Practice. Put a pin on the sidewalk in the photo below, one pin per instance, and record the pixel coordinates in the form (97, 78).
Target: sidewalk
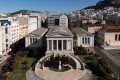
(3, 59)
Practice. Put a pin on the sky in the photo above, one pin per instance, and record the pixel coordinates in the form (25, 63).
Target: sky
(8, 6)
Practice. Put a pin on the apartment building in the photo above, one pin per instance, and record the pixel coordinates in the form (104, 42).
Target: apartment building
(23, 26)
(9, 33)
(34, 23)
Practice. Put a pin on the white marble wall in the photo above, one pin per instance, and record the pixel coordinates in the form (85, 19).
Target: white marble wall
(69, 44)
(29, 44)
(88, 44)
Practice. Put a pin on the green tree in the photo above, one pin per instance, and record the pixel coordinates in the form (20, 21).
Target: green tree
(81, 51)
(25, 53)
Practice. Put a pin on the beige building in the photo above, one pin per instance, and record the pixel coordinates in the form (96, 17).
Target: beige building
(92, 28)
(109, 38)
(23, 26)
(9, 33)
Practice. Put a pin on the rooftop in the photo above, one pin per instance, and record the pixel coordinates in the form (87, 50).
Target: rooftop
(110, 30)
(38, 32)
(57, 31)
(79, 31)
(113, 26)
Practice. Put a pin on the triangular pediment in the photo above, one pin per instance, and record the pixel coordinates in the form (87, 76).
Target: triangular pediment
(58, 35)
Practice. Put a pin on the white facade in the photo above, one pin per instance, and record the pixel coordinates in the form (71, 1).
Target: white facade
(0, 40)
(64, 21)
(83, 38)
(33, 23)
(85, 41)
(33, 41)
(57, 20)
(35, 38)
(60, 44)
(9, 33)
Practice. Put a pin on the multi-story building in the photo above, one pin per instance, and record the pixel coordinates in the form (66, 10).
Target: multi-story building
(109, 38)
(93, 28)
(9, 33)
(57, 20)
(23, 26)
(34, 23)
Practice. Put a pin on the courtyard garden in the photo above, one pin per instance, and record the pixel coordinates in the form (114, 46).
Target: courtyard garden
(54, 63)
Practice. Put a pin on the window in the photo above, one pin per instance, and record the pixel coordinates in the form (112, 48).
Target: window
(6, 30)
(116, 37)
(119, 37)
(6, 40)
(83, 40)
(88, 40)
(31, 40)
(56, 21)
(6, 45)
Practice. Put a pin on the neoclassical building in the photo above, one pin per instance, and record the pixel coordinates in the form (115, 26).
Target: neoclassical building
(59, 39)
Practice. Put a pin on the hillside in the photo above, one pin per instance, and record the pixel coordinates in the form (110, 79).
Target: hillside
(23, 12)
(105, 3)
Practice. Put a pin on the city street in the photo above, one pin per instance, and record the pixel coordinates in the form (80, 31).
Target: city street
(112, 56)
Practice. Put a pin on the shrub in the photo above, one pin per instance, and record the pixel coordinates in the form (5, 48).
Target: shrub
(92, 64)
(106, 65)
(100, 70)
(97, 55)
(81, 51)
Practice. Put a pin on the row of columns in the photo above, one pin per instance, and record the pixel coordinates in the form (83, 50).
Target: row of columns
(62, 44)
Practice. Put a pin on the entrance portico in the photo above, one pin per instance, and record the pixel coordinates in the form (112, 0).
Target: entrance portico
(59, 44)
(59, 39)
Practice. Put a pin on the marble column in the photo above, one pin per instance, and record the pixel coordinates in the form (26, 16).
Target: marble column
(62, 44)
(67, 45)
(48, 45)
(57, 44)
(72, 45)
(52, 45)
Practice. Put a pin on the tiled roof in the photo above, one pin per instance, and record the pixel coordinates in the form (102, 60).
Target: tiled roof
(110, 30)
(95, 25)
(113, 26)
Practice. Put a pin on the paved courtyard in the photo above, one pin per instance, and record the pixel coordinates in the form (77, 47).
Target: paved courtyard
(69, 75)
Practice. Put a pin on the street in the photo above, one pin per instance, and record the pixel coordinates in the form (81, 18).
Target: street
(114, 62)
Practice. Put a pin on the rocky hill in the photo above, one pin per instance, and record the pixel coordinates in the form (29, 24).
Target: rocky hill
(105, 3)
(23, 12)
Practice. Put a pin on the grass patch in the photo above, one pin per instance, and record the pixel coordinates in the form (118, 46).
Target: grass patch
(19, 73)
(62, 70)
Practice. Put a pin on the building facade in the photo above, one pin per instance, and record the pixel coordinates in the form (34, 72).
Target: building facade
(59, 39)
(9, 33)
(36, 38)
(109, 38)
(57, 20)
(83, 38)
